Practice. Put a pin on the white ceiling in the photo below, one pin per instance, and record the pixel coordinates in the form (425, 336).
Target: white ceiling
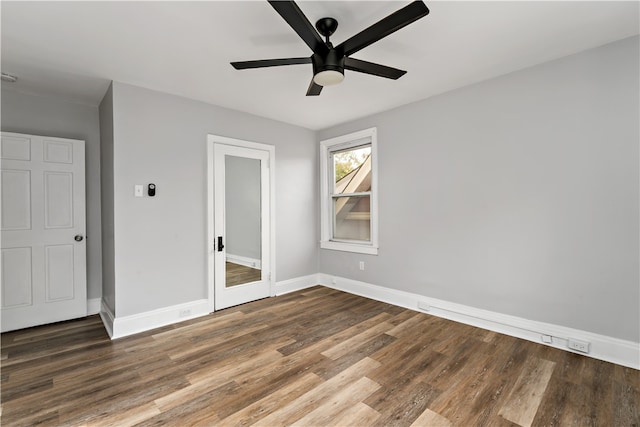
(73, 50)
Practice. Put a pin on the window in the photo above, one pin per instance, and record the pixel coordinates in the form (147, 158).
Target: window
(349, 192)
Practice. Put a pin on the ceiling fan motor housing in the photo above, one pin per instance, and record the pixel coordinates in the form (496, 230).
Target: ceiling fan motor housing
(332, 61)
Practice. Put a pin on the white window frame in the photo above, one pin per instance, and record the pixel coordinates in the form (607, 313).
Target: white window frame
(328, 146)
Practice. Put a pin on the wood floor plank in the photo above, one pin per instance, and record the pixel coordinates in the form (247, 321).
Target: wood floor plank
(330, 368)
(626, 405)
(456, 367)
(206, 344)
(138, 393)
(338, 338)
(259, 409)
(625, 375)
(523, 401)
(337, 404)
(431, 419)
(40, 402)
(55, 329)
(309, 401)
(408, 326)
(402, 405)
(32, 351)
(468, 395)
(212, 379)
(313, 357)
(127, 418)
(257, 386)
(554, 403)
(349, 344)
(196, 410)
(229, 366)
(357, 415)
(320, 329)
(196, 329)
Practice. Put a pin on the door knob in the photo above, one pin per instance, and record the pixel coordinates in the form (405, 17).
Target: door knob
(78, 238)
(220, 245)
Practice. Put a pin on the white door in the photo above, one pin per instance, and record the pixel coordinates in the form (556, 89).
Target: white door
(240, 240)
(43, 230)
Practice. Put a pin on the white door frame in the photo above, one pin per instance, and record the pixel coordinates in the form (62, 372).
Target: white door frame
(211, 232)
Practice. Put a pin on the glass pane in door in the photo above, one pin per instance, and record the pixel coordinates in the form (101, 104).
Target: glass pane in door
(242, 221)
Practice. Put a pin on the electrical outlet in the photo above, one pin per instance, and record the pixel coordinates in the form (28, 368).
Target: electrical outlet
(361, 265)
(333, 281)
(547, 339)
(577, 345)
(184, 313)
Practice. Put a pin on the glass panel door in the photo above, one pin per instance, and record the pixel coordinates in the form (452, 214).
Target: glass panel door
(241, 224)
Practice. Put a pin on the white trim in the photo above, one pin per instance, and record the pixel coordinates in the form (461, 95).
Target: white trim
(366, 136)
(296, 284)
(271, 264)
(349, 247)
(107, 317)
(210, 225)
(240, 143)
(610, 349)
(243, 260)
(118, 327)
(93, 306)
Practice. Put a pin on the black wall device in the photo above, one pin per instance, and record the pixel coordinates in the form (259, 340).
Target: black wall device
(152, 190)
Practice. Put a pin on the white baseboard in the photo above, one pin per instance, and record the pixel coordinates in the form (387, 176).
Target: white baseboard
(243, 260)
(107, 317)
(118, 327)
(296, 284)
(93, 306)
(614, 350)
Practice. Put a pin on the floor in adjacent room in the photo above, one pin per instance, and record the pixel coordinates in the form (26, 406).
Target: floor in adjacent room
(237, 274)
(317, 357)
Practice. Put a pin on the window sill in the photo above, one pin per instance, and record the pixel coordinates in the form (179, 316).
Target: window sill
(349, 247)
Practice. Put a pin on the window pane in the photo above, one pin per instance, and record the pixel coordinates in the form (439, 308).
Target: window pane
(352, 170)
(352, 218)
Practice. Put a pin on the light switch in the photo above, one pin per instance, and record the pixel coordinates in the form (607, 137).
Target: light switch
(138, 189)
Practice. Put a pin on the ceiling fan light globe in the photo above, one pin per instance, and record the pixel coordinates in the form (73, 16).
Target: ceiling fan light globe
(328, 78)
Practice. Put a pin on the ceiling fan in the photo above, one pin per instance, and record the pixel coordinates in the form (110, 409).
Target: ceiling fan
(329, 62)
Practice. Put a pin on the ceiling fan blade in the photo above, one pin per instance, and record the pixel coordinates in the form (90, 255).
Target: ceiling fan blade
(384, 27)
(371, 68)
(314, 89)
(291, 13)
(261, 63)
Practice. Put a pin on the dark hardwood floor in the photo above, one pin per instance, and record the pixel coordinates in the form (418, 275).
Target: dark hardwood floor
(317, 357)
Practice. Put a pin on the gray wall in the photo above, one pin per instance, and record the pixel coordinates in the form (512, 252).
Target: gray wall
(517, 194)
(37, 115)
(107, 183)
(161, 243)
(242, 207)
